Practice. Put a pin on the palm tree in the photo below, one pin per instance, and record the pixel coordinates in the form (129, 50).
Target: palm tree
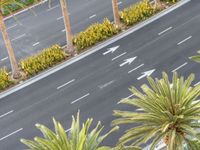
(66, 18)
(168, 111)
(116, 12)
(4, 6)
(196, 58)
(77, 138)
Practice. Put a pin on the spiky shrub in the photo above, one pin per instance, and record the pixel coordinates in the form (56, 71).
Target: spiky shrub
(196, 58)
(5, 79)
(137, 12)
(95, 33)
(170, 111)
(43, 60)
(77, 138)
(170, 1)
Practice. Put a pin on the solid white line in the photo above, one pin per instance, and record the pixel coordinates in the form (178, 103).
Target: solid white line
(59, 18)
(4, 58)
(92, 16)
(119, 56)
(53, 7)
(11, 27)
(165, 30)
(184, 40)
(6, 114)
(119, 3)
(180, 67)
(136, 68)
(80, 98)
(36, 44)
(65, 84)
(10, 134)
(18, 37)
(197, 83)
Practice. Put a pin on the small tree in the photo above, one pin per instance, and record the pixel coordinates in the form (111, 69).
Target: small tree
(77, 138)
(170, 111)
(116, 12)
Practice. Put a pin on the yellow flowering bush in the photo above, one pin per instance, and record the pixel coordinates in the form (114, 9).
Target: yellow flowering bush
(95, 33)
(137, 12)
(43, 60)
(170, 1)
(5, 79)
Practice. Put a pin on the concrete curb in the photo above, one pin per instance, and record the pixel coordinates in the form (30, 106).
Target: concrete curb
(92, 50)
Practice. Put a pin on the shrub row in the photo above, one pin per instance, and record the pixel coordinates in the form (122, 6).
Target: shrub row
(5, 80)
(170, 1)
(95, 33)
(13, 8)
(43, 60)
(137, 12)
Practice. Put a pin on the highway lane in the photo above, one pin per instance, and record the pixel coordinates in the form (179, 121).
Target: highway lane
(103, 94)
(32, 33)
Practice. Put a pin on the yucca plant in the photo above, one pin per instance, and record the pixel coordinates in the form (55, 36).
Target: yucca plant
(170, 112)
(196, 58)
(77, 138)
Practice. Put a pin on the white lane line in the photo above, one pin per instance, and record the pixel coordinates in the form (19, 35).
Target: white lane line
(4, 58)
(126, 98)
(119, 56)
(53, 7)
(11, 27)
(119, 3)
(67, 130)
(184, 40)
(80, 98)
(18, 37)
(11, 134)
(180, 67)
(92, 16)
(36, 44)
(165, 30)
(59, 18)
(63, 30)
(197, 83)
(59, 87)
(106, 84)
(6, 114)
(136, 68)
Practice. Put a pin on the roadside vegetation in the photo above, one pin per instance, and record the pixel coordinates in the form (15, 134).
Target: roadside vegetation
(12, 8)
(44, 59)
(5, 79)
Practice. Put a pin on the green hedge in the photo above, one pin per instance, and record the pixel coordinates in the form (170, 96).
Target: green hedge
(170, 1)
(5, 80)
(137, 12)
(43, 60)
(95, 33)
(13, 8)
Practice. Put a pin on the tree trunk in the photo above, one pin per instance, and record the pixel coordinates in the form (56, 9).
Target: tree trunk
(116, 12)
(14, 66)
(69, 38)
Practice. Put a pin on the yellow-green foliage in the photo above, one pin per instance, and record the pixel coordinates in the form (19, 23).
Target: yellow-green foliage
(170, 1)
(137, 12)
(5, 79)
(95, 33)
(43, 60)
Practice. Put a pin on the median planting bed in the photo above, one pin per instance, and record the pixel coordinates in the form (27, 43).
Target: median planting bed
(5, 80)
(13, 8)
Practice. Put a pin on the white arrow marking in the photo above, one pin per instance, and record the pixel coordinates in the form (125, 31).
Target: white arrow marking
(111, 50)
(145, 74)
(128, 61)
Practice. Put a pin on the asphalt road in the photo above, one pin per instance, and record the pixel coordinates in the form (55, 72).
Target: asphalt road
(29, 33)
(96, 83)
